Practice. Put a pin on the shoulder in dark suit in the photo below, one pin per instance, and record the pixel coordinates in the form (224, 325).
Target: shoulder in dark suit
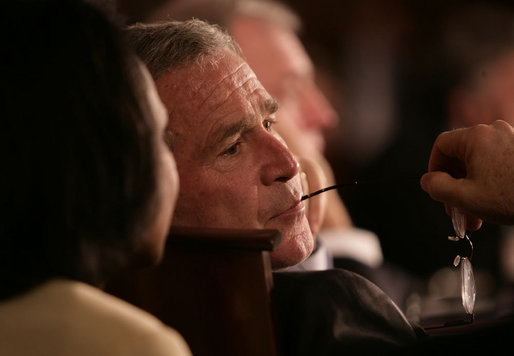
(337, 312)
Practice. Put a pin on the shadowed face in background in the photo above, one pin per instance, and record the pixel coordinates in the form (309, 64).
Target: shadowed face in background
(235, 171)
(282, 65)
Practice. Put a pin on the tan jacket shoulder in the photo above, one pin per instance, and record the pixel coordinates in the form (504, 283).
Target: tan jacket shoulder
(64, 317)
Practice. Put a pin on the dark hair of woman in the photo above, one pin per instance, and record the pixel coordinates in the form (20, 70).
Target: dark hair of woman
(78, 170)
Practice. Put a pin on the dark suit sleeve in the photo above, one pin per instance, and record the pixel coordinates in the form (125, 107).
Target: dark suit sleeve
(336, 312)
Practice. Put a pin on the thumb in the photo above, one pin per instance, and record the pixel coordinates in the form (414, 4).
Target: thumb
(441, 186)
(444, 188)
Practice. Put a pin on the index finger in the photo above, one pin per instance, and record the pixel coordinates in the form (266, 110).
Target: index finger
(449, 152)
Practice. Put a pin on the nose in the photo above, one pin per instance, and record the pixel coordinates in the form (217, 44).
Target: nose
(279, 163)
(318, 112)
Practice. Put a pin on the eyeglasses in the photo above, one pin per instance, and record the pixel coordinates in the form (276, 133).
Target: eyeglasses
(468, 291)
(360, 182)
(337, 186)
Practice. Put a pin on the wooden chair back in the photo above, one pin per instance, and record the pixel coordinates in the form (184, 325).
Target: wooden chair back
(214, 287)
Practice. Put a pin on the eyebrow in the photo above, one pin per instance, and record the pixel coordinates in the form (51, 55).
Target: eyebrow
(269, 106)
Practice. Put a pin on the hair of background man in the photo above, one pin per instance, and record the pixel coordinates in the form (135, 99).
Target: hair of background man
(224, 12)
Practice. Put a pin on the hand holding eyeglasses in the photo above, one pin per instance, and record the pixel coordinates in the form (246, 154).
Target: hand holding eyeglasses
(468, 292)
(484, 154)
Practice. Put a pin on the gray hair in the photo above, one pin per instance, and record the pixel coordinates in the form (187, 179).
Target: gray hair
(171, 45)
(224, 12)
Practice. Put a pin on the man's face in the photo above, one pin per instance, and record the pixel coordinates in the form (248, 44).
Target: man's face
(286, 71)
(235, 172)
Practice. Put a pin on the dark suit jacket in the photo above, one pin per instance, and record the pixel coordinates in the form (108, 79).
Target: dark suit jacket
(337, 312)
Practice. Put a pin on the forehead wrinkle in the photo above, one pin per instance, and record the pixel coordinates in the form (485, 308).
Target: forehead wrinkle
(235, 90)
(266, 105)
(217, 84)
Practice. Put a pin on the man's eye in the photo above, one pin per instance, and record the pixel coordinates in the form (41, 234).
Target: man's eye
(267, 125)
(232, 150)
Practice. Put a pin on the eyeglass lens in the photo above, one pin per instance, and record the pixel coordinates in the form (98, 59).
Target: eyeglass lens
(468, 291)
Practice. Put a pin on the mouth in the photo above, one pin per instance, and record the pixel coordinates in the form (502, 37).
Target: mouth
(295, 208)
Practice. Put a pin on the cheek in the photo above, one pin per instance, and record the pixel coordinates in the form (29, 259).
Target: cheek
(168, 191)
(171, 180)
(210, 200)
(290, 111)
(152, 247)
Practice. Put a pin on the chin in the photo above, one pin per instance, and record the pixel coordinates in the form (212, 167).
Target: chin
(293, 249)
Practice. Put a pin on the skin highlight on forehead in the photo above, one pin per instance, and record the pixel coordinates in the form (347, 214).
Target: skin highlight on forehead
(189, 84)
(207, 98)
